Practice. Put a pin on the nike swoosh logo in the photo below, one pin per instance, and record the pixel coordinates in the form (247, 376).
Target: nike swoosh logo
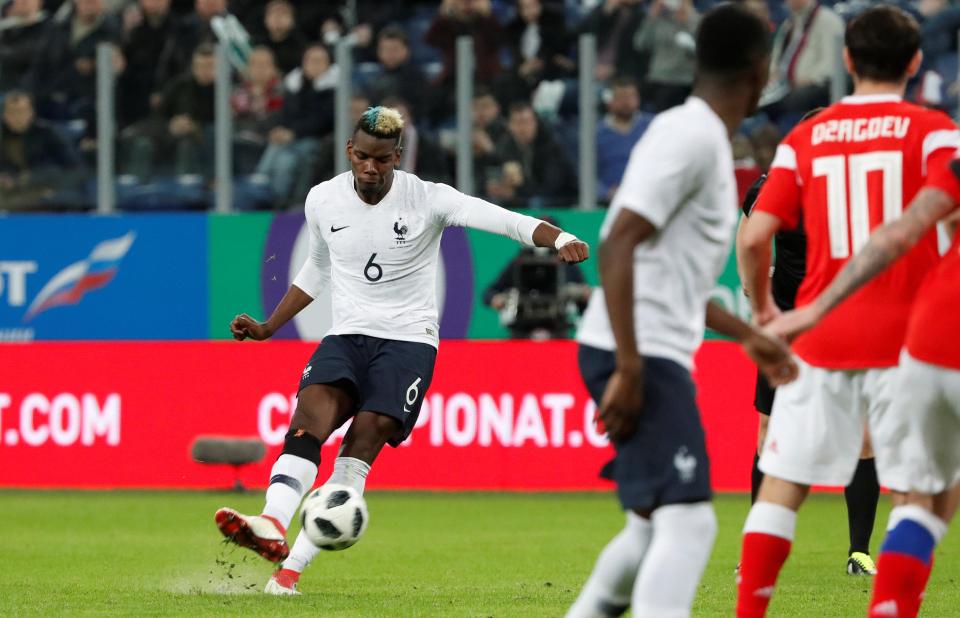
(337, 229)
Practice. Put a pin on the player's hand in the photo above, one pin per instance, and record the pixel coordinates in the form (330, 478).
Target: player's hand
(793, 323)
(244, 327)
(574, 252)
(621, 403)
(772, 356)
(767, 313)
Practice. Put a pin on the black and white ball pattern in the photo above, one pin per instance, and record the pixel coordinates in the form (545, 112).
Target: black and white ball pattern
(334, 516)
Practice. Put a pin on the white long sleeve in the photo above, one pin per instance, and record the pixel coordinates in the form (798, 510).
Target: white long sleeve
(461, 210)
(314, 275)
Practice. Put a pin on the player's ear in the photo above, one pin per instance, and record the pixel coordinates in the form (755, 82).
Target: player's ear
(848, 62)
(915, 63)
(350, 148)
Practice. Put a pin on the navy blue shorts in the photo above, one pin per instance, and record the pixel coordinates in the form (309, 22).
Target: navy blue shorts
(665, 460)
(384, 376)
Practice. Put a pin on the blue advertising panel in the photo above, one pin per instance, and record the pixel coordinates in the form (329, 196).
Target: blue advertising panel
(90, 277)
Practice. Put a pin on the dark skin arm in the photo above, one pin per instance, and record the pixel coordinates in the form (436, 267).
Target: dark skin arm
(771, 355)
(623, 397)
(573, 252)
(293, 302)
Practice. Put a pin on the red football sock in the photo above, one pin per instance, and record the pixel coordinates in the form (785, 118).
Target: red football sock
(767, 537)
(899, 585)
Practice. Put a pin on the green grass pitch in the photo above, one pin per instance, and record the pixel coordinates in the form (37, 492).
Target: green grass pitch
(471, 554)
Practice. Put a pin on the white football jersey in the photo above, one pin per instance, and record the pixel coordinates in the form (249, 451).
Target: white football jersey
(680, 178)
(381, 260)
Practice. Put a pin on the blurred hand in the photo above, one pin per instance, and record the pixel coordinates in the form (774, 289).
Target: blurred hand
(281, 136)
(363, 34)
(530, 67)
(119, 61)
(182, 125)
(481, 142)
(603, 72)
(84, 66)
(499, 301)
(622, 402)
(772, 356)
(244, 327)
(512, 174)
(793, 323)
(766, 313)
(330, 25)
(574, 252)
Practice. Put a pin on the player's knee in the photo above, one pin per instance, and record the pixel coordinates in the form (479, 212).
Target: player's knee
(303, 444)
(687, 522)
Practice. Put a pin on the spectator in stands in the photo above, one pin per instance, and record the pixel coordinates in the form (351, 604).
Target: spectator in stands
(454, 19)
(622, 127)
(806, 50)
(21, 31)
(399, 76)
(306, 117)
(764, 140)
(148, 40)
(256, 104)
(538, 43)
(667, 36)
(281, 37)
(534, 170)
(181, 130)
(614, 23)
(62, 78)
(421, 155)
(191, 31)
(35, 161)
(489, 127)
(326, 167)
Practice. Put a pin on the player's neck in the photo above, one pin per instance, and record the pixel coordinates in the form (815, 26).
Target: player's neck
(729, 106)
(866, 87)
(373, 198)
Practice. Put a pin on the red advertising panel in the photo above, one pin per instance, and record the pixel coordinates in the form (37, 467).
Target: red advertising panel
(499, 415)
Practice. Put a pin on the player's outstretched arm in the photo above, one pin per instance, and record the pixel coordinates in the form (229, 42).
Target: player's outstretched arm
(885, 246)
(293, 302)
(772, 355)
(754, 254)
(458, 209)
(623, 397)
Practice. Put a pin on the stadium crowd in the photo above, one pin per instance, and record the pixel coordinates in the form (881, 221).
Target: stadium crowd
(525, 109)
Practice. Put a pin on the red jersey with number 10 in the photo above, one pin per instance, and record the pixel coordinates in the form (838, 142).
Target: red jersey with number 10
(845, 172)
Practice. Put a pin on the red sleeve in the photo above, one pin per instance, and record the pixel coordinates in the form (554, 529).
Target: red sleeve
(943, 173)
(780, 195)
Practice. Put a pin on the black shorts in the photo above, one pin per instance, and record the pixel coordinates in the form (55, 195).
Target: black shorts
(385, 376)
(763, 398)
(665, 460)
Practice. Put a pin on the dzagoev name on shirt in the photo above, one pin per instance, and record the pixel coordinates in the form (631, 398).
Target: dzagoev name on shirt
(860, 129)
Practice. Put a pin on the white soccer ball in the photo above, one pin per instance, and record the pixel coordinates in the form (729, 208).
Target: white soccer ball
(334, 516)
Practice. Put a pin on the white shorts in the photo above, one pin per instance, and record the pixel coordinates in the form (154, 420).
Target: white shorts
(919, 448)
(816, 429)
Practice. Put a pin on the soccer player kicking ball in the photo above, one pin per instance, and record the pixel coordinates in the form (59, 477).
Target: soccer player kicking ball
(848, 170)
(375, 239)
(922, 440)
(665, 242)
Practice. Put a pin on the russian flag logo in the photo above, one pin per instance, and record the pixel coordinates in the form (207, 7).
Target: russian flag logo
(69, 285)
